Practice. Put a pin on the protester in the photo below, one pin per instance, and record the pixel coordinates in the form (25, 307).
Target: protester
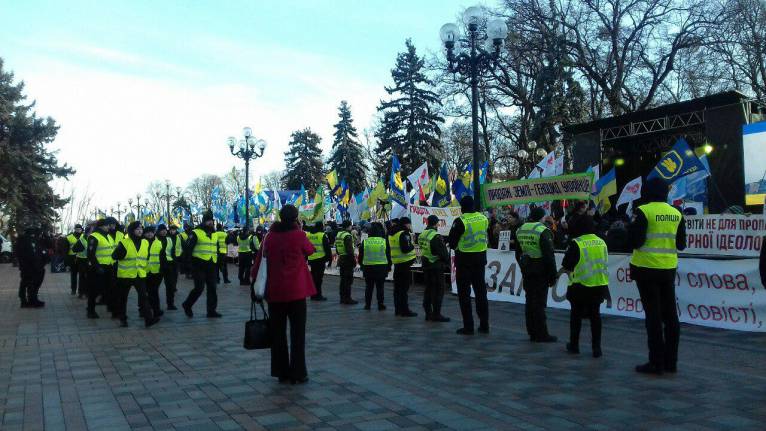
(657, 233)
(375, 258)
(585, 261)
(288, 285)
(538, 269)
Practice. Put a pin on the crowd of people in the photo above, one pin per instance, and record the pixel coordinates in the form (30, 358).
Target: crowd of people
(108, 261)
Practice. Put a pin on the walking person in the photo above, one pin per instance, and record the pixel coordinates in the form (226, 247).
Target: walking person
(132, 255)
(344, 247)
(154, 270)
(321, 257)
(204, 257)
(657, 233)
(32, 256)
(403, 256)
(468, 238)
(288, 285)
(100, 276)
(81, 261)
(537, 261)
(375, 258)
(586, 263)
(223, 264)
(245, 255)
(168, 267)
(435, 260)
(71, 257)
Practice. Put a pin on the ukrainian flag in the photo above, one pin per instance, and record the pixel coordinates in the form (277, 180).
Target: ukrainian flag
(606, 186)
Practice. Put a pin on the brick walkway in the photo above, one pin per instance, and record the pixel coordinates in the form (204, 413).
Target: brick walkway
(369, 371)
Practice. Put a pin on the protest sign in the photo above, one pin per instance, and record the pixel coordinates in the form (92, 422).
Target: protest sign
(574, 186)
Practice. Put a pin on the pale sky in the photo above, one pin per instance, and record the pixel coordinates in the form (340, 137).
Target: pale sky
(150, 90)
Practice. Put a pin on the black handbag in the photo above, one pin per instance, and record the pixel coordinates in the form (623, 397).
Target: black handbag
(257, 331)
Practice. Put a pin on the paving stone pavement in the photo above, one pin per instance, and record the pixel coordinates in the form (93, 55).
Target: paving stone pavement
(369, 371)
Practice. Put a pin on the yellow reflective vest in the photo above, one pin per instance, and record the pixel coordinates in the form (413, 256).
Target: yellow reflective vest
(205, 248)
(317, 240)
(474, 239)
(397, 256)
(592, 268)
(104, 249)
(659, 250)
(133, 265)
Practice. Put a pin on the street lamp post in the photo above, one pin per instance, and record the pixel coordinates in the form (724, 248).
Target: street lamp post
(473, 63)
(138, 206)
(523, 155)
(119, 212)
(167, 196)
(247, 151)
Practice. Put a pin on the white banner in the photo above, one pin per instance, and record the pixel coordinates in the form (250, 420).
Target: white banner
(725, 235)
(447, 216)
(718, 293)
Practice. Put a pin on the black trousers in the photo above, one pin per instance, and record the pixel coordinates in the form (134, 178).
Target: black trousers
(82, 271)
(245, 264)
(346, 269)
(288, 364)
(223, 267)
(153, 282)
(123, 290)
(536, 293)
(402, 277)
(434, 291)
(74, 272)
(100, 279)
(469, 274)
(374, 280)
(30, 283)
(109, 295)
(170, 276)
(317, 274)
(585, 303)
(658, 296)
(204, 279)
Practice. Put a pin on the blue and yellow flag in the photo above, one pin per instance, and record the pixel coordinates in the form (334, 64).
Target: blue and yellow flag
(442, 196)
(676, 163)
(332, 181)
(396, 184)
(606, 186)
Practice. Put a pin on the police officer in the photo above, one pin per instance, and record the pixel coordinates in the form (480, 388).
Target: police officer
(154, 270)
(538, 269)
(81, 257)
(111, 296)
(245, 252)
(586, 263)
(375, 259)
(403, 256)
(183, 259)
(132, 255)
(101, 273)
(344, 247)
(223, 264)
(168, 266)
(468, 238)
(435, 260)
(71, 257)
(32, 256)
(204, 257)
(657, 233)
(321, 257)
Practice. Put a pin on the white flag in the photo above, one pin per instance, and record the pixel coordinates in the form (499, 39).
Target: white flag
(630, 192)
(548, 165)
(419, 178)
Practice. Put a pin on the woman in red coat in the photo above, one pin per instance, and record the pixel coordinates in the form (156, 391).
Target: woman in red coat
(288, 285)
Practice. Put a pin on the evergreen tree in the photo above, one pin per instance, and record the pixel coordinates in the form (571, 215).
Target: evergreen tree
(347, 157)
(409, 127)
(303, 161)
(27, 166)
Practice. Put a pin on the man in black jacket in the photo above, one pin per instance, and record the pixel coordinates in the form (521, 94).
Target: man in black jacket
(32, 258)
(344, 246)
(202, 252)
(168, 263)
(403, 256)
(435, 260)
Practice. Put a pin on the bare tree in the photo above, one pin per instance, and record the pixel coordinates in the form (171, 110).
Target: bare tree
(273, 180)
(200, 190)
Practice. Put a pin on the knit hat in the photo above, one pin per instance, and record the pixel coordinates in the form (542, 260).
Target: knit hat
(432, 220)
(207, 216)
(405, 221)
(161, 227)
